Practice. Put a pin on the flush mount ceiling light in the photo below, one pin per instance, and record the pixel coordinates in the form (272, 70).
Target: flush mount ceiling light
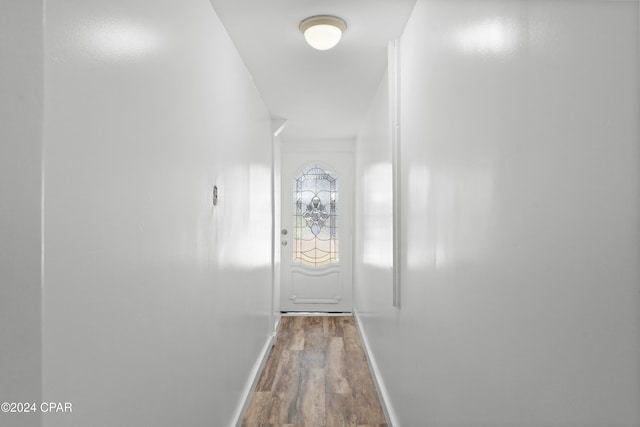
(323, 32)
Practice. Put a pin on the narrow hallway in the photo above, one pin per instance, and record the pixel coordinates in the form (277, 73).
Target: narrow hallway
(466, 175)
(316, 375)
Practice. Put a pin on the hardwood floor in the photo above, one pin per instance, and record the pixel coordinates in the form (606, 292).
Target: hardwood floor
(315, 376)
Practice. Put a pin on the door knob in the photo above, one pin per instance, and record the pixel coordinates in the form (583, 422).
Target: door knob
(284, 243)
(284, 231)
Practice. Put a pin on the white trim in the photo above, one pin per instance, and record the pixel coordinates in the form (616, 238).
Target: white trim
(395, 127)
(383, 394)
(278, 125)
(331, 145)
(247, 393)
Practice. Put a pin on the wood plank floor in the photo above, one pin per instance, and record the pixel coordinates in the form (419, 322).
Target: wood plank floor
(316, 375)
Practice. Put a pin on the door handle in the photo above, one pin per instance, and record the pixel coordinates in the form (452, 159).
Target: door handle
(284, 243)
(284, 231)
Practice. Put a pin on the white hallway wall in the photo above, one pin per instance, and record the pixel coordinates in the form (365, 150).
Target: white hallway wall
(521, 210)
(156, 304)
(21, 89)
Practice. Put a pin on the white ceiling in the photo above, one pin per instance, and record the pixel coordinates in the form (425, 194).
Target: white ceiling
(323, 94)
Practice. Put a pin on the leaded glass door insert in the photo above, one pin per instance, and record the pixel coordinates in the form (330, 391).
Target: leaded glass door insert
(315, 221)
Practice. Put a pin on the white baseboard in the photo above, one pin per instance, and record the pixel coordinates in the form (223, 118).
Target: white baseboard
(383, 394)
(247, 393)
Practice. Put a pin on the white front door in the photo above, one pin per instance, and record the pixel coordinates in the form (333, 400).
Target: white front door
(316, 238)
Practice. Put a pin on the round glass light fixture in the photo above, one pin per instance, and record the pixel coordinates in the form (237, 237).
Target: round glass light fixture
(323, 32)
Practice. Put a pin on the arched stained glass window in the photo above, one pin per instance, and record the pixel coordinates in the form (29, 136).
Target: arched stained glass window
(315, 194)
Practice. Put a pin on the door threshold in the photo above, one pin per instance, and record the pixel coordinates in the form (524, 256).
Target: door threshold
(315, 313)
